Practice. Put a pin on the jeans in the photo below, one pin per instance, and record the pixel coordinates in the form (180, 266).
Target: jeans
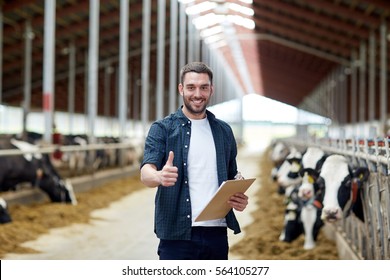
(207, 243)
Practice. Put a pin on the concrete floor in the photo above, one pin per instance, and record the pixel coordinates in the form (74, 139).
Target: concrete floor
(124, 231)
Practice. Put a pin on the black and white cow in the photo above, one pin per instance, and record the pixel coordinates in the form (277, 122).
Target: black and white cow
(4, 215)
(288, 175)
(342, 186)
(278, 154)
(35, 168)
(302, 214)
(76, 160)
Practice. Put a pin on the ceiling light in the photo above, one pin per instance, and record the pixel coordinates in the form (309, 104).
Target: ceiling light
(247, 1)
(241, 9)
(200, 8)
(211, 31)
(241, 21)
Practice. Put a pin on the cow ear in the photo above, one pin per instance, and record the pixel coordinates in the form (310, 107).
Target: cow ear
(361, 174)
(320, 163)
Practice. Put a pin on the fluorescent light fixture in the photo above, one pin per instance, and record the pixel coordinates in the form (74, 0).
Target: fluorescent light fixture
(218, 44)
(241, 21)
(247, 1)
(186, 1)
(212, 19)
(241, 9)
(214, 38)
(201, 8)
(211, 31)
(207, 20)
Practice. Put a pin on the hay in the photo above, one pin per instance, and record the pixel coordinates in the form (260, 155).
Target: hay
(30, 221)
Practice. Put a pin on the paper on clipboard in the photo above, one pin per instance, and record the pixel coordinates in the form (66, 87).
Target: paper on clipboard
(218, 207)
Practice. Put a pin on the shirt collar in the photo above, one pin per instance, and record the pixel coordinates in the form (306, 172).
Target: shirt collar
(180, 115)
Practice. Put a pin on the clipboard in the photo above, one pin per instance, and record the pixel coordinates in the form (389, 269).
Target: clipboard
(218, 207)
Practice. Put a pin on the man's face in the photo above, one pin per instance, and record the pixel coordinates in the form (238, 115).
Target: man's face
(196, 91)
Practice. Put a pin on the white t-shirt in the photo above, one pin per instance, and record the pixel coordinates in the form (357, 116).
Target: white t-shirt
(202, 170)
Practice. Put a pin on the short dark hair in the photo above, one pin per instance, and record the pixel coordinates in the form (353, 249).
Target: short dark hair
(198, 67)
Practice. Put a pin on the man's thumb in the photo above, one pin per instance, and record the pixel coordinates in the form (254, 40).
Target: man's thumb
(170, 159)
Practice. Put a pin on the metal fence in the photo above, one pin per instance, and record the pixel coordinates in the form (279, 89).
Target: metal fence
(369, 239)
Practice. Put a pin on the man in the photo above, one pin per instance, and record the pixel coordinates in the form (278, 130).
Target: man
(187, 156)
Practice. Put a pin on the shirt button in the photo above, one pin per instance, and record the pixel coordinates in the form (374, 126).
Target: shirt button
(188, 132)
(188, 216)
(187, 199)
(186, 146)
(189, 121)
(185, 182)
(185, 164)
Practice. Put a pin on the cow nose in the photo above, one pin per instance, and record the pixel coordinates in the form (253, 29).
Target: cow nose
(331, 214)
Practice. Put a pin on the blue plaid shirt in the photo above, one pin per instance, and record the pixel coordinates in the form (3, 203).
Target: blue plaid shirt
(173, 204)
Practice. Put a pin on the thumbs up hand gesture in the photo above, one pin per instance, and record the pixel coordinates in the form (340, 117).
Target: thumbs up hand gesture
(169, 173)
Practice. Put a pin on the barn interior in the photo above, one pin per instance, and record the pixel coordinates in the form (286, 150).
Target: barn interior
(119, 61)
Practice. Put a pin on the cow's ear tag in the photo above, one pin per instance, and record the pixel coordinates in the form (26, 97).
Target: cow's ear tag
(310, 179)
(295, 167)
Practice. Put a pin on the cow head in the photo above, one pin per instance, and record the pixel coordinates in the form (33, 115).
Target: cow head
(53, 185)
(309, 186)
(4, 215)
(279, 153)
(288, 173)
(57, 189)
(341, 189)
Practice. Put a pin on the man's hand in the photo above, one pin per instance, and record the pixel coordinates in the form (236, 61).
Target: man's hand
(238, 176)
(169, 173)
(238, 201)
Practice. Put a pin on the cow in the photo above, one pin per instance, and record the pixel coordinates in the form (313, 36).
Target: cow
(310, 215)
(4, 215)
(302, 214)
(76, 160)
(278, 154)
(288, 175)
(341, 187)
(35, 168)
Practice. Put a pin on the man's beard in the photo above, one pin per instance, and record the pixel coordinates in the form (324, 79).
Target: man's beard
(192, 109)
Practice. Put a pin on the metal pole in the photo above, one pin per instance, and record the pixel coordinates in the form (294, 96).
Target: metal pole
(344, 89)
(28, 37)
(353, 89)
(145, 62)
(93, 56)
(371, 81)
(123, 66)
(160, 59)
(1, 53)
(86, 74)
(362, 82)
(48, 68)
(173, 58)
(182, 35)
(191, 39)
(107, 89)
(71, 85)
(383, 76)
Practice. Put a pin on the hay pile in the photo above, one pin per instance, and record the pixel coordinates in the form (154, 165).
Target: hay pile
(29, 221)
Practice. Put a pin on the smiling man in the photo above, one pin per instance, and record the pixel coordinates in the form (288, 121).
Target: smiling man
(187, 156)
